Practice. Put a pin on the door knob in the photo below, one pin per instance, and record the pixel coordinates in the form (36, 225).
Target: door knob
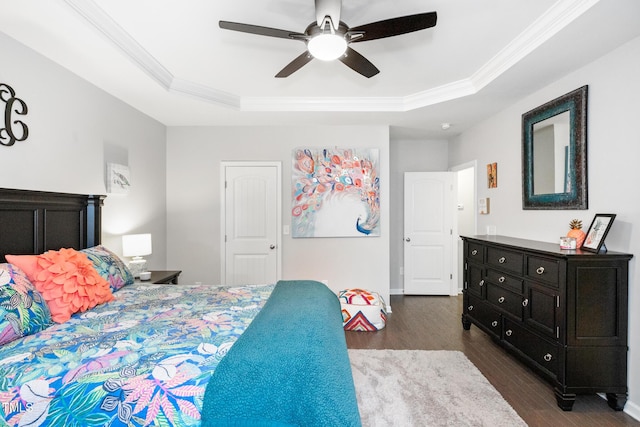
(407, 239)
(272, 246)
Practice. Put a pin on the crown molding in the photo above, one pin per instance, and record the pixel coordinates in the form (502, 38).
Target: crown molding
(99, 19)
(561, 14)
(443, 93)
(205, 93)
(318, 104)
(557, 17)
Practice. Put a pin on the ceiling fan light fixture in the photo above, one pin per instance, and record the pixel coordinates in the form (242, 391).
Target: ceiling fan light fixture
(327, 46)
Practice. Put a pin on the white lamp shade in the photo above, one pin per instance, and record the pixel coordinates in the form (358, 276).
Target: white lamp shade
(134, 245)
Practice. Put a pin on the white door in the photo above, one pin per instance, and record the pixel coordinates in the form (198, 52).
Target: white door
(251, 223)
(428, 233)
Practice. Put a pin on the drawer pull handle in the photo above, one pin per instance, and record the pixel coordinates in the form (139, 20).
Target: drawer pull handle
(494, 323)
(540, 270)
(508, 333)
(474, 252)
(525, 302)
(481, 283)
(548, 357)
(501, 279)
(501, 300)
(470, 308)
(502, 260)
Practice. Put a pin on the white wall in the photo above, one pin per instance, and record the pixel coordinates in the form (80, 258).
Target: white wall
(74, 130)
(408, 156)
(193, 203)
(613, 151)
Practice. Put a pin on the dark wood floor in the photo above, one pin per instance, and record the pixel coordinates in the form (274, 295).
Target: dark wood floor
(433, 323)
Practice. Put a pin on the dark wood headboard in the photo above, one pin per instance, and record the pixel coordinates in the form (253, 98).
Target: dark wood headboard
(33, 222)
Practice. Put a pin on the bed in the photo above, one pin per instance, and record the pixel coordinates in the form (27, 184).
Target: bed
(186, 355)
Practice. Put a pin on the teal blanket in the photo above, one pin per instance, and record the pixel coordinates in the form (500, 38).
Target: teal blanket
(289, 368)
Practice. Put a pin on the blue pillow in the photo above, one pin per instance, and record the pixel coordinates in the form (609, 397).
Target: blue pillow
(109, 266)
(23, 310)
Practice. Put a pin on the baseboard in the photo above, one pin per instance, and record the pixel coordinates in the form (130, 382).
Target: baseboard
(632, 410)
(400, 291)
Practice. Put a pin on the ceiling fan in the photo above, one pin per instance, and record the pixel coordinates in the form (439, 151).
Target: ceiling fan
(328, 38)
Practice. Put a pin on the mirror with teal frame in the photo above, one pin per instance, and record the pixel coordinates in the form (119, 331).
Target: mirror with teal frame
(554, 153)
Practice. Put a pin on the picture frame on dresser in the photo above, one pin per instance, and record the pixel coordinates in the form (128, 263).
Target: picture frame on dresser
(597, 232)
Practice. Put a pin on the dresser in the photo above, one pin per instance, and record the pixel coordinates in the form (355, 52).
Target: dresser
(561, 312)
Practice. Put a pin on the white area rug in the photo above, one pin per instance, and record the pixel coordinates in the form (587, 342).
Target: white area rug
(426, 388)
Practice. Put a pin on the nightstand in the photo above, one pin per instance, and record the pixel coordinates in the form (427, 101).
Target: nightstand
(167, 277)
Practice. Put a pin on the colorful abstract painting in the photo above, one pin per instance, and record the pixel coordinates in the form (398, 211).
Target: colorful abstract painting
(336, 192)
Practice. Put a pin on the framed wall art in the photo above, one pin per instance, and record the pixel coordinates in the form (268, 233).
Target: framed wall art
(492, 175)
(335, 192)
(118, 178)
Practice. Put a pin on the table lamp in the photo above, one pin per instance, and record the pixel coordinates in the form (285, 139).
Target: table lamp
(136, 246)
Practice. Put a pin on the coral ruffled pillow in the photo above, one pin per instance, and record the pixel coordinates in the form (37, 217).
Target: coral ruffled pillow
(23, 311)
(66, 279)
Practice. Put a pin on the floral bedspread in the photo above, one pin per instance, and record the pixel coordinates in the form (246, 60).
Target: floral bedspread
(143, 359)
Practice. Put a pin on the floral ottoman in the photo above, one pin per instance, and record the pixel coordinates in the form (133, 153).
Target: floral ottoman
(362, 310)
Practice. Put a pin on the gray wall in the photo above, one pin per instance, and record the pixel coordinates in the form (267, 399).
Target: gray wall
(193, 203)
(613, 152)
(74, 130)
(408, 156)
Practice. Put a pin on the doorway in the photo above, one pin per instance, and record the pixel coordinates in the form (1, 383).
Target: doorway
(429, 222)
(466, 209)
(250, 222)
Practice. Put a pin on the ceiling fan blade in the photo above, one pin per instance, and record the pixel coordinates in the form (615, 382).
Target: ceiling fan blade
(261, 31)
(358, 63)
(394, 26)
(330, 8)
(295, 65)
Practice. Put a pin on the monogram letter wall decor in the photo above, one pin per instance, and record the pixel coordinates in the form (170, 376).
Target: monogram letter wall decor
(13, 130)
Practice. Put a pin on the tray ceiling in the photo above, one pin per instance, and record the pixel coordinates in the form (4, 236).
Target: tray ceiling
(170, 60)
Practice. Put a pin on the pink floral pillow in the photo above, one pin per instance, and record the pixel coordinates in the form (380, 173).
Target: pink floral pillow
(23, 310)
(66, 279)
(109, 266)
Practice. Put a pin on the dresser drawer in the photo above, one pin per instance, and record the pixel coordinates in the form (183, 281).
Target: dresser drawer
(505, 300)
(475, 252)
(482, 313)
(543, 269)
(506, 281)
(505, 260)
(543, 352)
